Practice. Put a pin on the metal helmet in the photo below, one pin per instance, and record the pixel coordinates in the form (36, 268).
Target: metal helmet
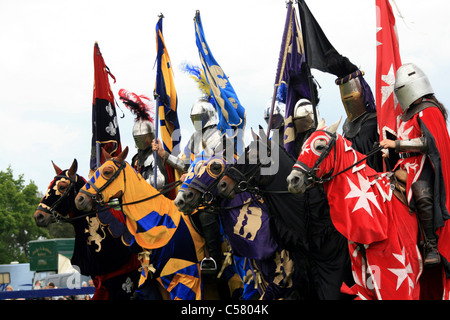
(279, 110)
(203, 114)
(411, 83)
(143, 134)
(304, 115)
(353, 99)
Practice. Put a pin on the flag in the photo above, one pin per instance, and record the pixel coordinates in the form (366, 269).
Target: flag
(316, 43)
(166, 97)
(231, 113)
(291, 72)
(388, 61)
(105, 128)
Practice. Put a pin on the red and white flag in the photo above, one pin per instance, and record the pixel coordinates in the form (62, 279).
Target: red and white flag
(388, 61)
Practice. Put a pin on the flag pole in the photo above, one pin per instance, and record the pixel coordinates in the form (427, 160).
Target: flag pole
(280, 67)
(271, 110)
(155, 153)
(157, 99)
(311, 90)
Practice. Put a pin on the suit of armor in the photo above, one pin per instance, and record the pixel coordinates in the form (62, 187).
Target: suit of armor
(422, 139)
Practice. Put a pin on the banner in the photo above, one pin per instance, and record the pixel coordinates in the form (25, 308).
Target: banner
(231, 113)
(167, 101)
(105, 128)
(291, 72)
(388, 61)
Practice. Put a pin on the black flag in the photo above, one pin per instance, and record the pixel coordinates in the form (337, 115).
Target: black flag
(315, 42)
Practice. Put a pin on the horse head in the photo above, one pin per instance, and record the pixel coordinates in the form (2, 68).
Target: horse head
(199, 188)
(105, 183)
(259, 166)
(58, 201)
(312, 164)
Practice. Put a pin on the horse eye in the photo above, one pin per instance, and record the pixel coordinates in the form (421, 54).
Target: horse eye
(216, 168)
(320, 145)
(107, 172)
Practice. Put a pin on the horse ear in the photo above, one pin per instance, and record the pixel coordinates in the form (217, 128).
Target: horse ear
(321, 124)
(333, 128)
(57, 169)
(123, 155)
(263, 135)
(73, 168)
(106, 154)
(254, 135)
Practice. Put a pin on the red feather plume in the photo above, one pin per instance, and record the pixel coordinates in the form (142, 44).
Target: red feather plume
(141, 106)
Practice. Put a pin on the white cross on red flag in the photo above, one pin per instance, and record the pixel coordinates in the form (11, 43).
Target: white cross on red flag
(388, 61)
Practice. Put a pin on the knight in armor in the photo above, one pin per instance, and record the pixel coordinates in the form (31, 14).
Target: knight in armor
(303, 122)
(277, 116)
(360, 126)
(206, 136)
(423, 143)
(322, 237)
(144, 133)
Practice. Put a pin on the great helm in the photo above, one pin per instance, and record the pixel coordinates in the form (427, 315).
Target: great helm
(411, 83)
(352, 98)
(277, 115)
(143, 134)
(304, 115)
(203, 114)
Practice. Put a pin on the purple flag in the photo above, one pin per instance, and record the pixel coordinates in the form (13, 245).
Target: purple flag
(291, 72)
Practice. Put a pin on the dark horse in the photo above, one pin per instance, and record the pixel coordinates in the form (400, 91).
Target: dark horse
(245, 222)
(301, 221)
(101, 238)
(381, 230)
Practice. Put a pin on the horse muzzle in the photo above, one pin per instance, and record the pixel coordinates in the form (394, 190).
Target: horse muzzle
(187, 201)
(84, 202)
(225, 188)
(43, 219)
(296, 182)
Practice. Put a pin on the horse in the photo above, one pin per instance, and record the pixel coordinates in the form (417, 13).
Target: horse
(245, 222)
(171, 247)
(101, 239)
(381, 230)
(302, 222)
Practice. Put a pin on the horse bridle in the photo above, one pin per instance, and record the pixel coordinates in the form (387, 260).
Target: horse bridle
(245, 178)
(207, 196)
(98, 197)
(311, 172)
(52, 210)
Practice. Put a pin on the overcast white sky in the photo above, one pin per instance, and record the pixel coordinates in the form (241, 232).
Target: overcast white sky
(46, 63)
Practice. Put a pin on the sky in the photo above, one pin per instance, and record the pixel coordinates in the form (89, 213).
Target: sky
(46, 63)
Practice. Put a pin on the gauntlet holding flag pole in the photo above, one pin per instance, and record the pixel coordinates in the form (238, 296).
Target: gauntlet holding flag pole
(155, 153)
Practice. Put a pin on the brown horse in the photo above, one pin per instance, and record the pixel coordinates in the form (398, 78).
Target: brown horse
(102, 241)
(171, 245)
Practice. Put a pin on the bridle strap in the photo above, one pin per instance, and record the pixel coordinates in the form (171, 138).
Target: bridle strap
(98, 198)
(311, 172)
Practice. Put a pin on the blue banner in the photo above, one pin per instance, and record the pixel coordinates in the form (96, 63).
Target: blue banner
(231, 113)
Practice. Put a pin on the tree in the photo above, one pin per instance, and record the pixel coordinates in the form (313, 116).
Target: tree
(18, 202)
